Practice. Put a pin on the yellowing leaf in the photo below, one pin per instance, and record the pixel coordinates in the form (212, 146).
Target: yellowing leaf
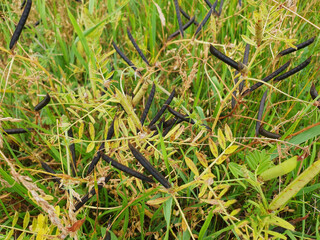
(91, 131)
(221, 159)
(132, 127)
(221, 139)
(26, 220)
(161, 16)
(192, 166)
(81, 128)
(203, 190)
(228, 133)
(274, 220)
(248, 40)
(184, 225)
(202, 159)
(158, 201)
(231, 149)
(90, 147)
(235, 212)
(213, 148)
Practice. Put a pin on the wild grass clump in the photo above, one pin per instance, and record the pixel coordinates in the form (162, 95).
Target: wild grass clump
(202, 132)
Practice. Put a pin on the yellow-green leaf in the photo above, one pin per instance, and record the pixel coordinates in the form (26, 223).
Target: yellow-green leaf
(90, 147)
(228, 133)
(231, 149)
(26, 220)
(202, 159)
(158, 200)
(203, 190)
(91, 131)
(295, 186)
(192, 166)
(221, 139)
(213, 148)
(274, 220)
(81, 129)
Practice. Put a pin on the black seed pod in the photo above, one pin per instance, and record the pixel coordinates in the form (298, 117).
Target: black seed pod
(268, 134)
(215, 52)
(314, 93)
(124, 57)
(204, 21)
(294, 70)
(21, 24)
(260, 113)
(17, 130)
(267, 78)
(147, 165)
(176, 33)
(43, 103)
(176, 5)
(187, 17)
(48, 169)
(163, 108)
(89, 195)
(137, 47)
(73, 154)
(298, 47)
(125, 169)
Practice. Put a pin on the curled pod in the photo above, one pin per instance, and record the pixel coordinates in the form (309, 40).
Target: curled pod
(22, 22)
(240, 67)
(43, 103)
(298, 47)
(294, 70)
(279, 170)
(268, 134)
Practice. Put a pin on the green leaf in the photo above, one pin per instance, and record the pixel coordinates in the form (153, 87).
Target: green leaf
(26, 220)
(235, 169)
(295, 186)
(167, 215)
(206, 224)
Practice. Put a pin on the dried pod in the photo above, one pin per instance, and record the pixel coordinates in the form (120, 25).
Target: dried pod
(184, 27)
(260, 113)
(240, 67)
(73, 154)
(294, 70)
(204, 21)
(176, 5)
(48, 169)
(314, 93)
(21, 24)
(163, 108)
(89, 195)
(268, 134)
(147, 165)
(43, 103)
(137, 47)
(188, 17)
(298, 47)
(125, 169)
(124, 57)
(17, 130)
(267, 78)
(181, 116)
